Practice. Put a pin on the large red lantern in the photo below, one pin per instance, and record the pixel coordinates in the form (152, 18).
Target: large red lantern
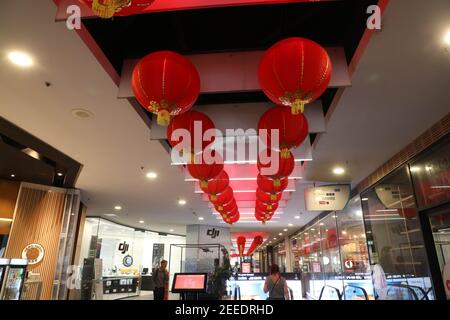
(203, 171)
(268, 198)
(241, 245)
(292, 128)
(267, 185)
(227, 207)
(284, 168)
(266, 206)
(294, 71)
(187, 121)
(165, 83)
(217, 185)
(109, 8)
(257, 241)
(223, 197)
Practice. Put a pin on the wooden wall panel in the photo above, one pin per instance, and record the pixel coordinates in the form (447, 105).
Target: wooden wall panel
(38, 219)
(9, 191)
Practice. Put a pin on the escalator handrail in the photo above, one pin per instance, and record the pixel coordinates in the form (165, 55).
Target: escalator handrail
(405, 286)
(336, 289)
(366, 296)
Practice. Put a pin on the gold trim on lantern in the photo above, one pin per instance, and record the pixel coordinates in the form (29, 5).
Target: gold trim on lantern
(204, 183)
(214, 197)
(273, 196)
(104, 8)
(285, 153)
(277, 182)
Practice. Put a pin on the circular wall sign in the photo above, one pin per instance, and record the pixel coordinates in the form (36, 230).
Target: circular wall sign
(127, 261)
(34, 253)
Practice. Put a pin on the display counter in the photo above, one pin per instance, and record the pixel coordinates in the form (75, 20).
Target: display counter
(250, 286)
(116, 287)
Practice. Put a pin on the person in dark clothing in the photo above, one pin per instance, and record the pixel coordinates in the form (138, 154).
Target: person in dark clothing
(276, 285)
(161, 281)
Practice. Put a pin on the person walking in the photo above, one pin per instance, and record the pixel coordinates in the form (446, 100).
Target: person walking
(161, 282)
(276, 285)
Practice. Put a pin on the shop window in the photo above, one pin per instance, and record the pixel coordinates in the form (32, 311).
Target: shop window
(356, 272)
(396, 247)
(431, 176)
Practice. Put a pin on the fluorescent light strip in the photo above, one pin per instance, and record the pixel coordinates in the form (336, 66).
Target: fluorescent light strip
(387, 210)
(249, 213)
(440, 187)
(384, 219)
(249, 218)
(240, 161)
(246, 191)
(6, 219)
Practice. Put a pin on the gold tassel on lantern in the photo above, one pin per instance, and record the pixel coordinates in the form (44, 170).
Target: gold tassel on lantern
(214, 197)
(204, 183)
(285, 153)
(273, 196)
(269, 207)
(276, 182)
(104, 8)
(163, 117)
(298, 106)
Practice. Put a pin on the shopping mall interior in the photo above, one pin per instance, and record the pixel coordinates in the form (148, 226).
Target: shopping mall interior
(326, 122)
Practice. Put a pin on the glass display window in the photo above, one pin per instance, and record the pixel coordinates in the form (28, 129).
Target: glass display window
(431, 176)
(396, 247)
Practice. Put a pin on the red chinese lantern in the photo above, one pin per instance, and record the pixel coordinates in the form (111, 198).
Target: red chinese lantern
(109, 8)
(257, 241)
(187, 121)
(263, 217)
(282, 169)
(227, 207)
(222, 198)
(267, 185)
(233, 219)
(241, 245)
(165, 83)
(266, 206)
(294, 71)
(268, 198)
(203, 171)
(217, 185)
(292, 128)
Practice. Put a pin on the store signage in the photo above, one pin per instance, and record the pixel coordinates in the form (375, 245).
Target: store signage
(327, 198)
(389, 195)
(213, 233)
(349, 264)
(127, 261)
(34, 253)
(123, 247)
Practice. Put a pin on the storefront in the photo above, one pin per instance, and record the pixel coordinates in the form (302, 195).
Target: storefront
(123, 258)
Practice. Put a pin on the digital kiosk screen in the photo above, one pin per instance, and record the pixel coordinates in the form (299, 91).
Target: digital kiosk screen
(189, 282)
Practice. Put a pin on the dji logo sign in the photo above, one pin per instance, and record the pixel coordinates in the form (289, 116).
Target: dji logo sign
(213, 233)
(123, 247)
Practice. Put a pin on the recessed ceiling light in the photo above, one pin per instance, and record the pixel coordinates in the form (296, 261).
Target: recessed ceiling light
(274, 238)
(82, 113)
(447, 38)
(60, 174)
(151, 175)
(290, 225)
(13, 175)
(344, 232)
(118, 208)
(285, 230)
(141, 221)
(415, 169)
(365, 199)
(321, 224)
(171, 230)
(201, 218)
(280, 234)
(110, 215)
(297, 217)
(181, 202)
(20, 59)
(338, 170)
